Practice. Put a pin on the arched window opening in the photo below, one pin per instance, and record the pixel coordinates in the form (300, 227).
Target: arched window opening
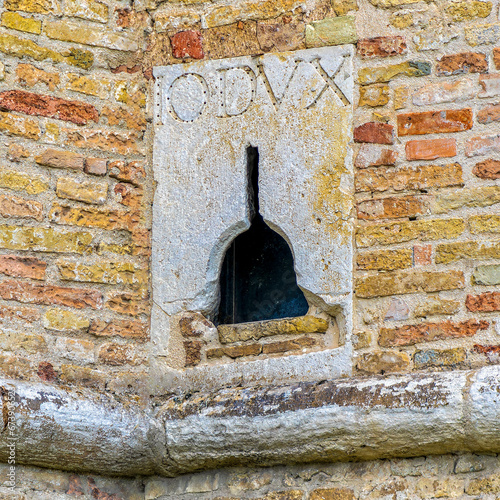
(258, 280)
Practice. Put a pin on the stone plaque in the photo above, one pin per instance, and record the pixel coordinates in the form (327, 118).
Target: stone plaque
(296, 108)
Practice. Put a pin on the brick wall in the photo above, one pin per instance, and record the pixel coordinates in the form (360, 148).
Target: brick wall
(76, 183)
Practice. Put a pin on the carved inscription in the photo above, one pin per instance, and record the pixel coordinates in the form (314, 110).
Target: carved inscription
(234, 90)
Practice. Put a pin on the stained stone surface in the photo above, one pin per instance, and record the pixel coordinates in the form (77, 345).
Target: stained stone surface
(296, 109)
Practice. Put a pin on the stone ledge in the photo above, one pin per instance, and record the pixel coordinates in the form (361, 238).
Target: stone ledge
(340, 420)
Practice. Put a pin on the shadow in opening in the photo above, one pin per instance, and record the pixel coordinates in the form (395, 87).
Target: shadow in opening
(258, 280)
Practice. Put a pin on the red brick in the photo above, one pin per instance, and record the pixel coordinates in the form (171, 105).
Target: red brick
(373, 155)
(374, 132)
(434, 122)
(381, 46)
(187, 44)
(496, 57)
(477, 146)
(466, 62)
(236, 351)
(50, 294)
(489, 114)
(22, 267)
(46, 371)
(403, 178)
(50, 107)
(393, 208)
(132, 172)
(60, 159)
(485, 302)
(127, 303)
(487, 169)
(12, 206)
(124, 328)
(12, 313)
(487, 349)
(128, 195)
(430, 149)
(428, 332)
(422, 255)
(96, 166)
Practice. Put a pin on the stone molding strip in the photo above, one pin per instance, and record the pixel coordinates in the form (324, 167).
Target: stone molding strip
(338, 420)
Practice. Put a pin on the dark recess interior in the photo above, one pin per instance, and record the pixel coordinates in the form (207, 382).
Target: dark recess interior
(258, 280)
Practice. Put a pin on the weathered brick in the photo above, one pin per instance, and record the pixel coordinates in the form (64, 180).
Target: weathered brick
(50, 295)
(393, 208)
(123, 143)
(51, 107)
(436, 306)
(93, 217)
(131, 117)
(192, 349)
(83, 376)
(451, 252)
(476, 197)
(33, 344)
(381, 46)
(332, 494)
(194, 324)
(17, 153)
(412, 177)
(466, 10)
(87, 191)
(484, 224)
(384, 260)
(124, 328)
(281, 35)
(441, 92)
(17, 22)
(399, 232)
(402, 282)
(384, 74)
(298, 344)
(342, 7)
(478, 146)
(97, 87)
(61, 320)
(14, 367)
(12, 206)
(127, 303)
(492, 352)
(484, 486)
(118, 355)
(487, 169)
(29, 75)
(20, 47)
(429, 332)
(432, 358)
(374, 132)
(331, 31)
(129, 196)
(187, 44)
(87, 9)
(372, 155)
(231, 40)
(46, 372)
(113, 273)
(84, 34)
(422, 255)
(235, 351)
(401, 20)
(382, 362)
(35, 6)
(20, 126)
(401, 97)
(489, 114)
(484, 302)
(22, 266)
(360, 340)
(490, 85)
(374, 95)
(434, 122)
(78, 350)
(466, 62)
(132, 172)
(13, 313)
(482, 34)
(486, 275)
(430, 149)
(60, 159)
(41, 239)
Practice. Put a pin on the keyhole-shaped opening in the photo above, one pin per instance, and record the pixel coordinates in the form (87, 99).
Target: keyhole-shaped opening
(258, 280)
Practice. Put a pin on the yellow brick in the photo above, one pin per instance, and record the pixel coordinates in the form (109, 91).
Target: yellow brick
(17, 22)
(383, 74)
(130, 93)
(484, 486)
(61, 320)
(98, 87)
(22, 182)
(342, 7)
(451, 252)
(467, 10)
(41, 239)
(385, 260)
(478, 197)
(401, 97)
(52, 132)
(86, 191)
(35, 6)
(113, 273)
(399, 232)
(437, 306)
(20, 126)
(374, 95)
(29, 75)
(87, 9)
(401, 21)
(386, 4)
(30, 343)
(401, 282)
(484, 224)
